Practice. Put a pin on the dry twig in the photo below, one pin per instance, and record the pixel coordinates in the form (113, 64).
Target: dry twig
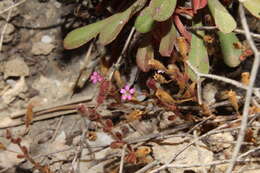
(249, 90)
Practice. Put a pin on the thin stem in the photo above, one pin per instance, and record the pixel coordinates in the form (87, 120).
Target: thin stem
(116, 66)
(239, 31)
(249, 90)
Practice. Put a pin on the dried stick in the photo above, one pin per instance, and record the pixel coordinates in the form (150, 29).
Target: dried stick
(148, 166)
(4, 29)
(116, 66)
(214, 163)
(248, 92)
(248, 152)
(122, 159)
(219, 78)
(217, 130)
(13, 6)
(239, 31)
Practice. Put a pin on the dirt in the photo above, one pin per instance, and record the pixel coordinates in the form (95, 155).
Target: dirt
(37, 73)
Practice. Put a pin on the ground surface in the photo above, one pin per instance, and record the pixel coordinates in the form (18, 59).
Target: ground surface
(35, 70)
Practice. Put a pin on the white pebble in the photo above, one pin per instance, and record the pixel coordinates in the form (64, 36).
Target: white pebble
(46, 39)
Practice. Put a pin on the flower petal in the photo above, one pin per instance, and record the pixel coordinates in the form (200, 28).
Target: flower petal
(132, 91)
(122, 91)
(129, 97)
(127, 87)
(124, 97)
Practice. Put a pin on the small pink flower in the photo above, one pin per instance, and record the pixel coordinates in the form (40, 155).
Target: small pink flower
(96, 77)
(127, 93)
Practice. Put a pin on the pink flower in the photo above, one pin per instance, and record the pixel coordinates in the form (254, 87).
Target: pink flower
(127, 93)
(96, 77)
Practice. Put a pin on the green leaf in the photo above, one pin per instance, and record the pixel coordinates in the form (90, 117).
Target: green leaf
(231, 55)
(113, 25)
(144, 22)
(168, 39)
(198, 56)
(224, 21)
(82, 35)
(162, 9)
(138, 5)
(253, 7)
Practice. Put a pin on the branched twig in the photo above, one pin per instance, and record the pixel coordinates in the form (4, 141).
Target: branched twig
(249, 90)
(4, 29)
(217, 130)
(248, 152)
(13, 6)
(239, 31)
(207, 164)
(219, 78)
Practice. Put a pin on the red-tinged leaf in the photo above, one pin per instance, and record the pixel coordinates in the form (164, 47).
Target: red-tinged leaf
(24, 149)
(198, 56)
(185, 11)
(8, 134)
(83, 111)
(113, 25)
(198, 4)
(181, 28)
(151, 83)
(16, 140)
(2, 147)
(117, 144)
(131, 158)
(103, 91)
(119, 135)
(162, 9)
(168, 39)
(144, 54)
(20, 156)
(82, 35)
(224, 21)
(203, 3)
(109, 123)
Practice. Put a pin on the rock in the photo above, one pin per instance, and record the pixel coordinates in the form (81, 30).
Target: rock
(15, 68)
(12, 93)
(209, 92)
(9, 30)
(221, 141)
(41, 48)
(46, 39)
(192, 155)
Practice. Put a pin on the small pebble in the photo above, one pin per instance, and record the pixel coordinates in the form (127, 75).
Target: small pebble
(46, 39)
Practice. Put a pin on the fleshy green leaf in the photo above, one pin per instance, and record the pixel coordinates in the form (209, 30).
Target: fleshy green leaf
(168, 39)
(231, 54)
(82, 35)
(144, 22)
(223, 19)
(253, 6)
(162, 9)
(198, 56)
(113, 25)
